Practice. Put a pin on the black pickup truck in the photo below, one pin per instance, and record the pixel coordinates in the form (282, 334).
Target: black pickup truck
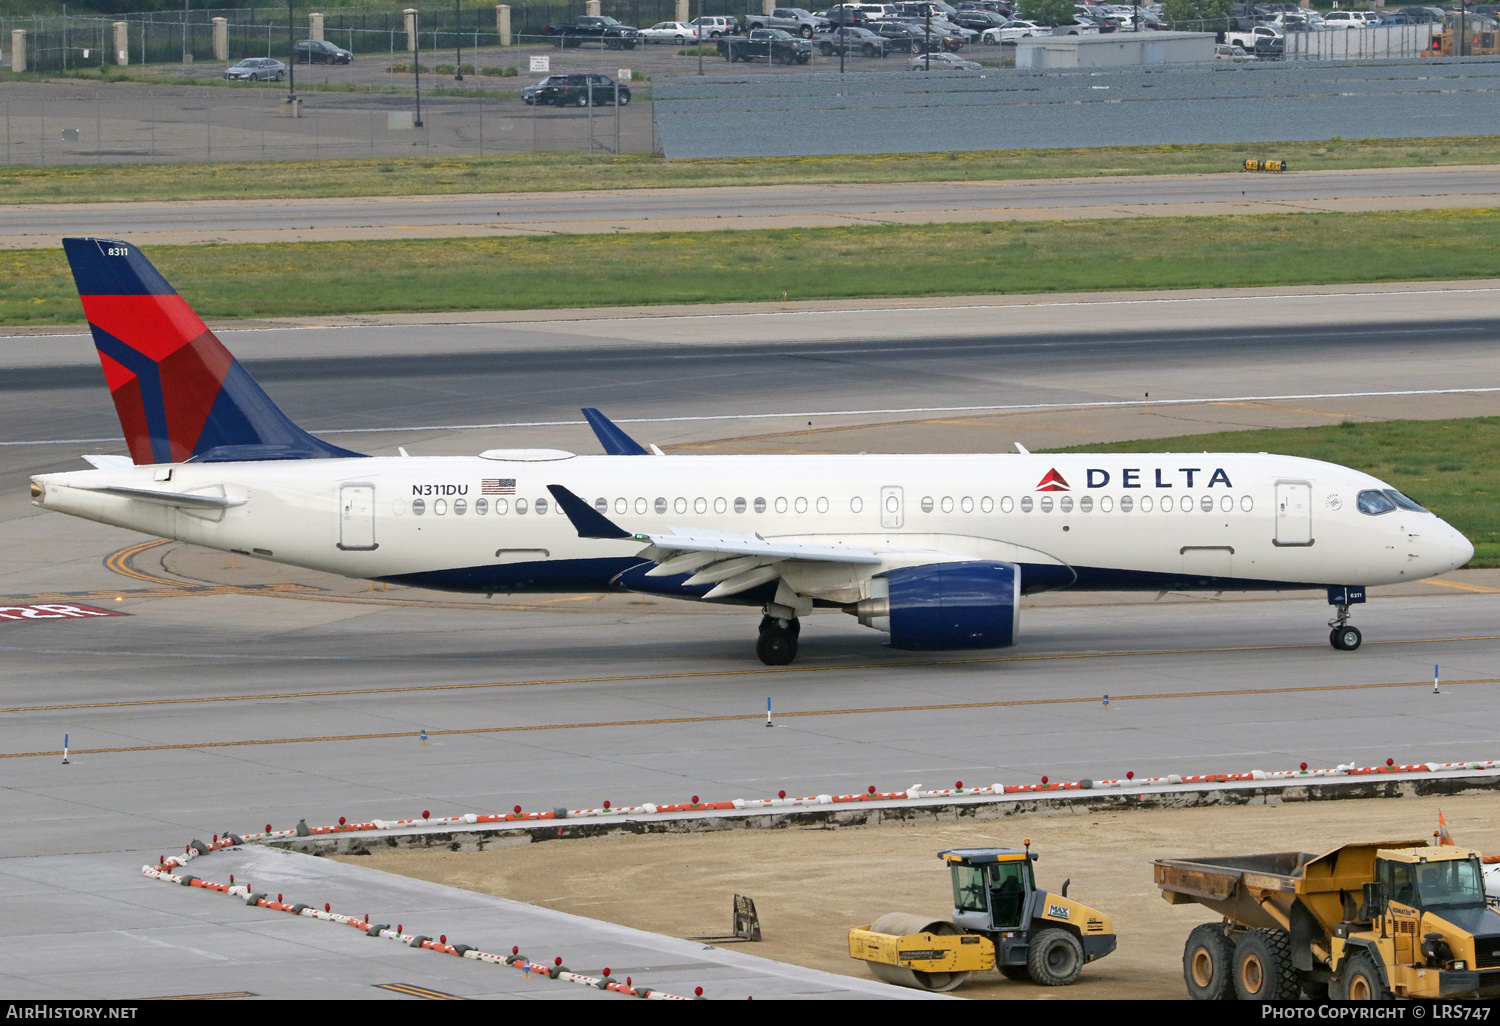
(592, 28)
(775, 45)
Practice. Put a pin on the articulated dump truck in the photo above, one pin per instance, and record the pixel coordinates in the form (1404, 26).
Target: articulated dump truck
(1363, 921)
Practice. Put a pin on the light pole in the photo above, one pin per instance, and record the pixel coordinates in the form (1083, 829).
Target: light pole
(458, 46)
(416, 64)
(928, 42)
(291, 59)
(699, 34)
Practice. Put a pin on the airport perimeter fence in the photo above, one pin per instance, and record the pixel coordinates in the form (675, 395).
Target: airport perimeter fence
(58, 43)
(174, 124)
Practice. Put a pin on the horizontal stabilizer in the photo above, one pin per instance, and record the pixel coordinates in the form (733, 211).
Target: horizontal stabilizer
(107, 462)
(588, 521)
(187, 499)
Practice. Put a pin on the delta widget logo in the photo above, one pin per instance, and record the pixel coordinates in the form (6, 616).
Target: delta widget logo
(1053, 482)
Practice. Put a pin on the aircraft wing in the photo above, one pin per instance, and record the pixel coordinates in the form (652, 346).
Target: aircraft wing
(732, 561)
(683, 539)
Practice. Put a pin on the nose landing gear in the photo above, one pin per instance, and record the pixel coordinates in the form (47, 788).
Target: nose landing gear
(1345, 638)
(1342, 635)
(777, 645)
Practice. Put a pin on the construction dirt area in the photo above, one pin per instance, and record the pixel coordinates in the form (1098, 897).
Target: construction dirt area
(812, 883)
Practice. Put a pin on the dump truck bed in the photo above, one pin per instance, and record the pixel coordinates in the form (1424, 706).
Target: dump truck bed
(1258, 891)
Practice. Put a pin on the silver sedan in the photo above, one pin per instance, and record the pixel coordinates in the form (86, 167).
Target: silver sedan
(943, 62)
(257, 69)
(677, 32)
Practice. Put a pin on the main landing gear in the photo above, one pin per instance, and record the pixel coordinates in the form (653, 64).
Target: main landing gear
(778, 640)
(1343, 635)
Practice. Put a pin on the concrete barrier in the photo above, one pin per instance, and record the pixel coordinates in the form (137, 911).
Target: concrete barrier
(166, 873)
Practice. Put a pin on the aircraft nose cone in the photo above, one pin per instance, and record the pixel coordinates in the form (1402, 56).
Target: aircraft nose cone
(1462, 549)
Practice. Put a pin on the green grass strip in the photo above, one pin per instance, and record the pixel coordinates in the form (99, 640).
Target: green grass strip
(549, 172)
(1450, 466)
(521, 273)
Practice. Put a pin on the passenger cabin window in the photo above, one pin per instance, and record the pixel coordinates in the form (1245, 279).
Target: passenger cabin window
(481, 507)
(760, 504)
(739, 504)
(459, 507)
(541, 507)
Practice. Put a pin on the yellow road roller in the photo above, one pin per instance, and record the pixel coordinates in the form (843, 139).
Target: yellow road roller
(1001, 920)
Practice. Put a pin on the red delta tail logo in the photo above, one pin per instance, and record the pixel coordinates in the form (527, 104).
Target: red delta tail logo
(1053, 482)
(178, 392)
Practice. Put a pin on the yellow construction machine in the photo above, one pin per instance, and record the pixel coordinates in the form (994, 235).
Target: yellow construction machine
(1001, 920)
(1363, 921)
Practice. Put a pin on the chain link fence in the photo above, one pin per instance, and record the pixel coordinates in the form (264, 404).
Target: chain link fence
(60, 43)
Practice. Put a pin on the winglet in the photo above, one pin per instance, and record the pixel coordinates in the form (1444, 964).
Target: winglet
(615, 441)
(589, 521)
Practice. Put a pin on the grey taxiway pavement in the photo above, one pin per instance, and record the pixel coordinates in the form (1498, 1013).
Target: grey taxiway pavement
(211, 708)
(687, 209)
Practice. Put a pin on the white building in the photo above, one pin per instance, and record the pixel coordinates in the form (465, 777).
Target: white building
(1114, 49)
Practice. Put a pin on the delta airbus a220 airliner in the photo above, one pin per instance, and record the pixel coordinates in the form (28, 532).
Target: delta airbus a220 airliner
(934, 550)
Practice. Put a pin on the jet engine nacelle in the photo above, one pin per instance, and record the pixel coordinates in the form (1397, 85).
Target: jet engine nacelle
(946, 605)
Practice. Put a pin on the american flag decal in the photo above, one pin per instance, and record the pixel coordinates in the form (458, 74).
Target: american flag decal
(497, 486)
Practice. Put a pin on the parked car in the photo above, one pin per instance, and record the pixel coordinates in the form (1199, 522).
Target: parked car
(979, 21)
(850, 39)
(943, 62)
(793, 19)
(775, 45)
(677, 32)
(1345, 19)
(1262, 40)
(716, 26)
(582, 91)
(901, 37)
(256, 69)
(1232, 52)
(321, 51)
(592, 28)
(530, 93)
(1013, 30)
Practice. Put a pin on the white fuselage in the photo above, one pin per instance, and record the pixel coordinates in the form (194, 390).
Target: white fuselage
(488, 524)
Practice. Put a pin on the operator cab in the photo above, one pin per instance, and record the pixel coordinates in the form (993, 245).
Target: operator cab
(1431, 880)
(992, 887)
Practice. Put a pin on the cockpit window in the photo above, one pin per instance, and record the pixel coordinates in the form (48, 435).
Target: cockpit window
(1405, 502)
(1374, 502)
